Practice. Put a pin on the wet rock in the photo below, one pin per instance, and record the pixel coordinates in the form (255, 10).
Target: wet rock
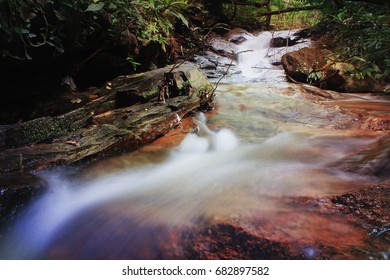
(206, 62)
(377, 123)
(226, 241)
(215, 66)
(237, 35)
(380, 230)
(373, 161)
(278, 42)
(221, 46)
(316, 66)
(353, 84)
(367, 209)
(300, 63)
(339, 78)
(354, 225)
(303, 33)
(124, 118)
(371, 206)
(14, 200)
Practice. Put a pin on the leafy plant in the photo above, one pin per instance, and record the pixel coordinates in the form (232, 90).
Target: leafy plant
(27, 25)
(314, 76)
(157, 17)
(363, 35)
(365, 38)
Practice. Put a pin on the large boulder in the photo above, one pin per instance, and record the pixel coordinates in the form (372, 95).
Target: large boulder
(319, 67)
(300, 63)
(339, 76)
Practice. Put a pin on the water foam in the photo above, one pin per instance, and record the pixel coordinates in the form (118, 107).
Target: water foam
(252, 57)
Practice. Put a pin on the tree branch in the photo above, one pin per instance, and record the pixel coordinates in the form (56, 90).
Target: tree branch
(288, 10)
(378, 2)
(246, 3)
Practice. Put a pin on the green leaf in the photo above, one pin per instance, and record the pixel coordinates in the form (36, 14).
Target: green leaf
(183, 19)
(112, 6)
(20, 30)
(27, 55)
(359, 58)
(95, 7)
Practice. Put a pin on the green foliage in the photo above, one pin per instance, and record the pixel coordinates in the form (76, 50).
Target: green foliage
(314, 76)
(365, 40)
(363, 35)
(28, 25)
(244, 15)
(156, 17)
(296, 19)
(132, 62)
(247, 15)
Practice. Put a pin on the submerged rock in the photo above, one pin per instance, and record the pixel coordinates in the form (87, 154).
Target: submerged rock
(373, 161)
(226, 241)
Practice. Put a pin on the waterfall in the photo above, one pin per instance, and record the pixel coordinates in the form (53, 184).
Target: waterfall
(257, 59)
(252, 55)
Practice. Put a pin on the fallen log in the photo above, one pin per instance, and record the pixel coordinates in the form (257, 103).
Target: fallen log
(128, 117)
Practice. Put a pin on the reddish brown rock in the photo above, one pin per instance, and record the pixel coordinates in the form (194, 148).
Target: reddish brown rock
(318, 67)
(226, 241)
(374, 161)
(300, 63)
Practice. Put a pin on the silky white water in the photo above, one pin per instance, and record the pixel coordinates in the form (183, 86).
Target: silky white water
(208, 174)
(252, 55)
(256, 58)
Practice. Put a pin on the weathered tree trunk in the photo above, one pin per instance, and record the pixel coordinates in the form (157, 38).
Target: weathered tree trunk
(268, 17)
(288, 10)
(378, 2)
(246, 3)
(126, 116)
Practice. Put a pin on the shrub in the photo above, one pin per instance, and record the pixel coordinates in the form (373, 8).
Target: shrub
(27, 25)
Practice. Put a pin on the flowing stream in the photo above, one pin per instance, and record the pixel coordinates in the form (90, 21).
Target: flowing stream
(265, 141)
